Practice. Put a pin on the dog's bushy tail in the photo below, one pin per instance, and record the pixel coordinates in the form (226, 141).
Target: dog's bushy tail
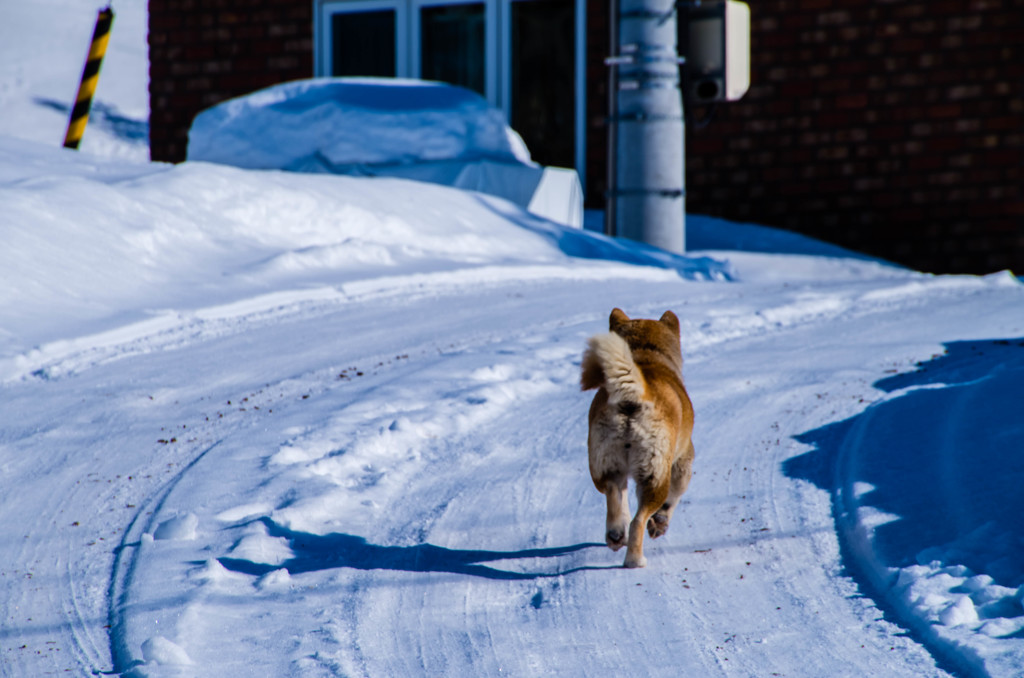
(608, 362)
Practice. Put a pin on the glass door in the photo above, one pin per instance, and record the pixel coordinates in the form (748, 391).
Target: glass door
(364, 43)
(542, 78)
(365, 37)
(452, 45)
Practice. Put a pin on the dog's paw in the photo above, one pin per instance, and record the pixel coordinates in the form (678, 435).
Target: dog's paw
(657, 525)
(615, 538)
(632, 562)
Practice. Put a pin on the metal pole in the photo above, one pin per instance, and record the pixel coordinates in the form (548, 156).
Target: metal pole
(649, 188)
(90, 77)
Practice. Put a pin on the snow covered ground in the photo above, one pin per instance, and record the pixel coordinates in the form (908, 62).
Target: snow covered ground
(262, 423)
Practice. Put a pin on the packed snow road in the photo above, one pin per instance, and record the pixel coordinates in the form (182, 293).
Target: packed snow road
(397, 485)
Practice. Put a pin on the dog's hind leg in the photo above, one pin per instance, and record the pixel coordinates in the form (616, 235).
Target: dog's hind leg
(652, 493)
(682, 471)
(617, 520)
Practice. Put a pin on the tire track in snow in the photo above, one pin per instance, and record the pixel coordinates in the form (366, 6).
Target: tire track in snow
(478, 402)
(61, 632)
(125, 563)
(178, 329)
(483, 338)
(65, 520)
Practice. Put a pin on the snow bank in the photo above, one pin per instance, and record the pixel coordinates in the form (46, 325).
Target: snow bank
(928, 493)
(148, 243)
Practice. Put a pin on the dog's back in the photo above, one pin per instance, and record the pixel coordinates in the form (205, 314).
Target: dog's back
(641, 421)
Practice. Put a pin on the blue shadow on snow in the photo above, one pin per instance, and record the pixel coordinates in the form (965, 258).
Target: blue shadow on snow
(314, 553)
(107, 117)
(582, 243)
(945, 459)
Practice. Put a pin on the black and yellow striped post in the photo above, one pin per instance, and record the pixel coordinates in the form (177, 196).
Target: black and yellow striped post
(90, 76)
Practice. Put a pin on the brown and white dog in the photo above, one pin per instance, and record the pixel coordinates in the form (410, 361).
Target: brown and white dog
(641, 421)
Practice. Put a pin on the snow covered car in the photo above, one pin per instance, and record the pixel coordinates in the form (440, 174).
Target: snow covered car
(414, 129)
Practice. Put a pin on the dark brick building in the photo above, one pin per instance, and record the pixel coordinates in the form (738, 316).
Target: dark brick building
(894, 127)
(202, 52)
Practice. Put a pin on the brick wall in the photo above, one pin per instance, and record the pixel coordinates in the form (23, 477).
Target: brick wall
(894, 127)
(202, 52)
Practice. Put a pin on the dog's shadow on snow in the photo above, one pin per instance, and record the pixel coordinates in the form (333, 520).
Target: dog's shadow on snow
(314, 553)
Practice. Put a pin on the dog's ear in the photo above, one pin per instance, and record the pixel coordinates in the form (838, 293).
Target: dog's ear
(617, 319)
(669, 320)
